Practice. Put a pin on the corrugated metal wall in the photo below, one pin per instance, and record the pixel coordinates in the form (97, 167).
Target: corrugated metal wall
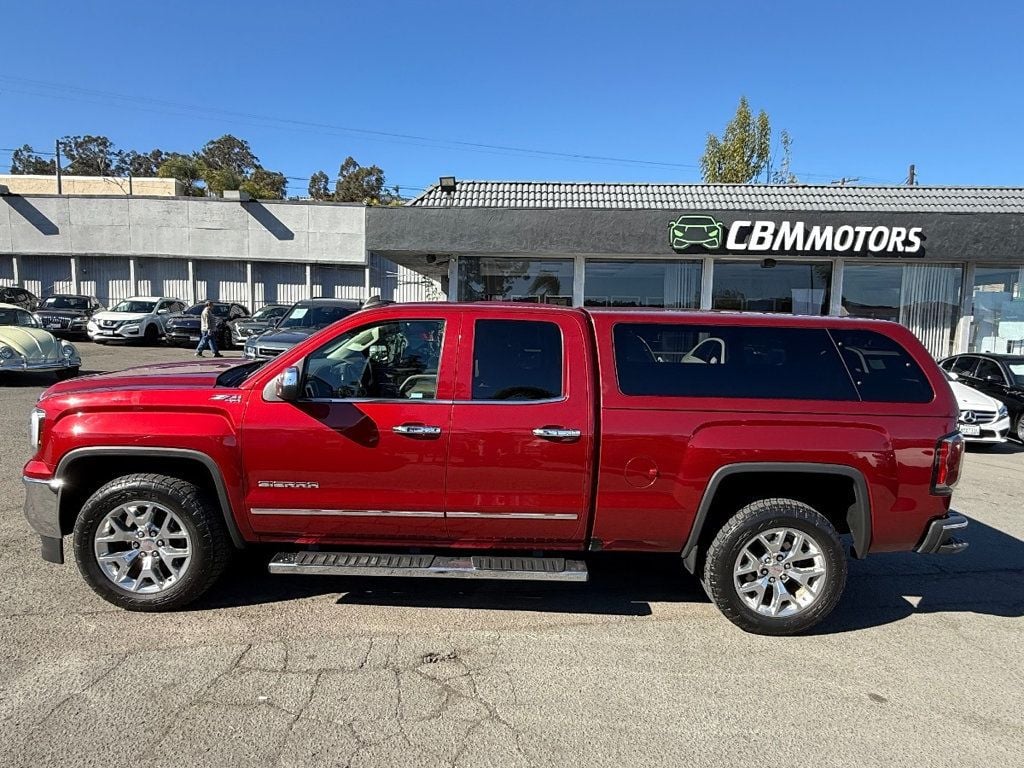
(398, 283)
(221, 280)
(278, 284)
(7, 271)
(108, 278)
(163, 277)
(339, 282)
(43, 275)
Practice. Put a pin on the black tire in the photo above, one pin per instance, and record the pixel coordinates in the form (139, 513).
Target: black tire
(68, 373)
(757, 517)
(151, 336)
(225, 339)
(1018, 430)
(211, 543)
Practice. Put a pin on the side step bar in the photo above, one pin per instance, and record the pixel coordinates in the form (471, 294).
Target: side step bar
(438, 566)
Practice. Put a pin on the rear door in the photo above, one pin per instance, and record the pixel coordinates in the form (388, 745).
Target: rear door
(522, 430)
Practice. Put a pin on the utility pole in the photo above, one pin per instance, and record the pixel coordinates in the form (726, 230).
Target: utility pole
(56, 146)
(912, 176)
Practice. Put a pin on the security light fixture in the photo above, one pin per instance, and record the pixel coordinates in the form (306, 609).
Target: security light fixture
(4, 189)
(237, 194)
(447, 184)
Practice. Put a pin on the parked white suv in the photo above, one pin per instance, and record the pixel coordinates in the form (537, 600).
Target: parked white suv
(983, 419)
(140, 317)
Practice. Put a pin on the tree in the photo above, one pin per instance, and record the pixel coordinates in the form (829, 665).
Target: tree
(357, 184)
(782, 174)
(265, 185)
(92, 156)
(148, 164)
(187, 169)
(742, 152)
(319, 186)
(25, 160)
(229, 153)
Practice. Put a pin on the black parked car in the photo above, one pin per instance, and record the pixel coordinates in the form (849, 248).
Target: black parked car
(264, 318)
(303, 320)
(66, 314)
(10, 294)
(999, 376)
(183, 328)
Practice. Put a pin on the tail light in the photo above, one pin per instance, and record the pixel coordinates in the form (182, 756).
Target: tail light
(949, 454)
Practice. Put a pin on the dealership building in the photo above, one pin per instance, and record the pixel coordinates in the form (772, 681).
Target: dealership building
(947, 262)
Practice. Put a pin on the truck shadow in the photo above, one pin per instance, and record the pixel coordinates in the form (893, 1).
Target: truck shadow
(986, 579)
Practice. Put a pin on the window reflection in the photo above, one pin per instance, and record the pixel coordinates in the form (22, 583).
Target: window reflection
(998, 310)
(799, 288)
(538, 281)
(675, 285)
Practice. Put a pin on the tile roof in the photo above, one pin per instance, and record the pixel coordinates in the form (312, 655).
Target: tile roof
(723, 197)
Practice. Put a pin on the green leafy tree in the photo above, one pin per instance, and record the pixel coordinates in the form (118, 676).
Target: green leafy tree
(92, 156)
(265, 185)
(782, 174)
(319, 186)
(740, 155)
(229, 153)
(358, 184)
(143, 164)
(25, 160)
(187, 169)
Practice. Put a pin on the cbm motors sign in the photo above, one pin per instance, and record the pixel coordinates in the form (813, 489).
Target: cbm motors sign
(700, 231)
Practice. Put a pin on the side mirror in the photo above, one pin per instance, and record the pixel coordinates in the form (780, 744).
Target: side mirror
(953, 376)
(163, 311)
(287, 386)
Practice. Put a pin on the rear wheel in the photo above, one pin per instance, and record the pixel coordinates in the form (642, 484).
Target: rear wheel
(775, 568)
(151, 335)
(1020, 427)
(150, 542)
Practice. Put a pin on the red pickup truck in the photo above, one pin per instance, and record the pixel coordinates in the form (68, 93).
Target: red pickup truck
(507, 441)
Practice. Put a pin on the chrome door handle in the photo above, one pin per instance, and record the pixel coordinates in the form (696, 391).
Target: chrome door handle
(417, 430)
(556, 433)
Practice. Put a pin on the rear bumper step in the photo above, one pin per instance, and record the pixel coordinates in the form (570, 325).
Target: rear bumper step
(430, 566)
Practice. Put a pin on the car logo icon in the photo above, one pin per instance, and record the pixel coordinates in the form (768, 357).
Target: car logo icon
(968, 417)
(691, 230)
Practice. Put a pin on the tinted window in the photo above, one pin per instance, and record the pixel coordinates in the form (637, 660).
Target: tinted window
(729, 361)
(393, 360)
(882, 370)
(964, 365)
(989, 368)
(517, 360)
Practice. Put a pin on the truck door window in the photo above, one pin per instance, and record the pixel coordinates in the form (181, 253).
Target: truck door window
(394, 360)
(517, 360)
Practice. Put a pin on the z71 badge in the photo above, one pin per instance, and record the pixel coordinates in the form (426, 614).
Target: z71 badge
(287, 484)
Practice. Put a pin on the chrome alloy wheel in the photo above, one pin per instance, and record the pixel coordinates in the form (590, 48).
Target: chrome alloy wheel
(142, 547)
(780, 572)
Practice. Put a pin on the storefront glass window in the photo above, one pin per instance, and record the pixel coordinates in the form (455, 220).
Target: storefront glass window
(801, 288)
(538, 281)
(998, 310)
(923, 297)
(671, 284)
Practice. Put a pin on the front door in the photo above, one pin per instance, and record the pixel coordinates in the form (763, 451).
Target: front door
(522, 432)
(361, 457)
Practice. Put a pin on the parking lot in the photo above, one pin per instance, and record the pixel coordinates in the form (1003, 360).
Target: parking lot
(919, 665)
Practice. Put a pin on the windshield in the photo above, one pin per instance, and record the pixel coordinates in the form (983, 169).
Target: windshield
(66, 302)
(1017, 371)
(219, 310)
(309, 316)
(17, 317)
(138, 307)
(269, 313)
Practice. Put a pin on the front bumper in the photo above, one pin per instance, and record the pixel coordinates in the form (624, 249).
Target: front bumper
(183, 335)
(939, 539)
(42, 510)
(993, 432)
(132, 331)
(46, 366)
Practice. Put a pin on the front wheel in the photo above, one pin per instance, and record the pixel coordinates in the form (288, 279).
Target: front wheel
(775, 568)
(151, 336)
(150, 542)
(1020, 428)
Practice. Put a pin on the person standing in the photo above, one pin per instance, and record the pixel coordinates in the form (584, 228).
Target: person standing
(208, 330)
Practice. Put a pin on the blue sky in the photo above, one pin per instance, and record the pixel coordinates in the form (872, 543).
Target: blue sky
(864, 88)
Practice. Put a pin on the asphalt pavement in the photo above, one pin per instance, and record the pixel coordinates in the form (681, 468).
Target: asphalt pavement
(922, 663)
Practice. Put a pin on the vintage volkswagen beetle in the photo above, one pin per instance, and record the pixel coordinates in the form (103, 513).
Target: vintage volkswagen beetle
(26, 348)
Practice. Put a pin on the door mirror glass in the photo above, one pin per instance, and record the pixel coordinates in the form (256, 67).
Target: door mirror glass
(287, 386)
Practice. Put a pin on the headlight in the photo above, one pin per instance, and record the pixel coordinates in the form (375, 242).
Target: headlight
(129, 329)
(69, 350)
(1003, 413)
(35, 427)
(6, 353)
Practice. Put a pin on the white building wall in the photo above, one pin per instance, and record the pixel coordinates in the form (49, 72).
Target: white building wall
(221, 280)
(163, 277)
(339, 282)
(7, 276)
(108, 278)
(43, 275)
(278, 284)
